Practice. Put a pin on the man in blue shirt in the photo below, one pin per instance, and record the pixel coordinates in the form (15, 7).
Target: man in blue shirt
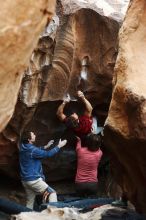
(31, 170)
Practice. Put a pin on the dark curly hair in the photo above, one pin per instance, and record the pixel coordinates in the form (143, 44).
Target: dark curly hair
(71, 122)
(25, 136)
(92, 142)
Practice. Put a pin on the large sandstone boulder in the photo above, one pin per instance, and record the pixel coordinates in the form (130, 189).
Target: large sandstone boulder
(125, 130)
(20, 25)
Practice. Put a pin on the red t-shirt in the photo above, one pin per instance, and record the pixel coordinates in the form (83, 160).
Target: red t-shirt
(87, 164)
(85, 125)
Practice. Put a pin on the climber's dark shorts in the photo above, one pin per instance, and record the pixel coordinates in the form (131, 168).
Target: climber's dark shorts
(86, 188)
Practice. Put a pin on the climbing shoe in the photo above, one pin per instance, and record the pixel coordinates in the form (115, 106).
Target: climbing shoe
(120, 204)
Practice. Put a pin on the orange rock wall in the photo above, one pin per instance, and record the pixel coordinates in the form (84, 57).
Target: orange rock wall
(125, 130)
(20, 25)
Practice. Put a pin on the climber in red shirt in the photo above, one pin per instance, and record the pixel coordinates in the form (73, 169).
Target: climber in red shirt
(81, 125)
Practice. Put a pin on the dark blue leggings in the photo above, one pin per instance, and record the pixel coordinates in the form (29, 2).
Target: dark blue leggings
(86, 188)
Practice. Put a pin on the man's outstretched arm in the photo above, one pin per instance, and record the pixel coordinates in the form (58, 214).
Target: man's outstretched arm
(40, 154)
(88, 106)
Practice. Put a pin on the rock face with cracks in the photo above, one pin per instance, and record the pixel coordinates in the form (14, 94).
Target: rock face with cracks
(20, 25)
(125, 131)
(78, 35)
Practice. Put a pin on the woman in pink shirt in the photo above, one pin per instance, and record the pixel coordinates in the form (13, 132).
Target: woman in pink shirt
(88, 158)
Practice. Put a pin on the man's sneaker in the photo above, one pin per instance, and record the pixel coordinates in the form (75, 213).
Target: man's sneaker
(119, 203)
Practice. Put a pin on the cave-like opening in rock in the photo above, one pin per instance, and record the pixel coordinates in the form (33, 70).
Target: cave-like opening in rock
(77, 51)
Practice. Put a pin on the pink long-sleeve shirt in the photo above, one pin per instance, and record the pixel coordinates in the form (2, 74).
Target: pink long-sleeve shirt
(87, 164)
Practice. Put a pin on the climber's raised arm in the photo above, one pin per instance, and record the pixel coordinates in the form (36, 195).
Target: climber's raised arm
(88, 106)
(60, 114)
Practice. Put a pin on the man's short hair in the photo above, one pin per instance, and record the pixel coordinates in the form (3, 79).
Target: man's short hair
(25, 137)
(71, 122)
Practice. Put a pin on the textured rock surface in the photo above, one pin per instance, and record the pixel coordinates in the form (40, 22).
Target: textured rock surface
(36, 74)
(100, 33)
(106, 212)
(20, 25)
(74, 41)
(111, 8)
(125, 132)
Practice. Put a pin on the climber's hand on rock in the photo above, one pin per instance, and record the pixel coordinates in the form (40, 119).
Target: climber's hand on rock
(66, 99)
(80, 94)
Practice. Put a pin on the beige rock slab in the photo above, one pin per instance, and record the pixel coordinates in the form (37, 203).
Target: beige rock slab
(20, 25)
(125, 130)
